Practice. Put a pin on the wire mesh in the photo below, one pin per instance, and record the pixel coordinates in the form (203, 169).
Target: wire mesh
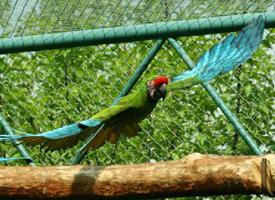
(44, 90)
(29, 17)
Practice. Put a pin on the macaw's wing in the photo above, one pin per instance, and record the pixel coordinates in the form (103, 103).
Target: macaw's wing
(110, 112)
(60, 138)
(68, 136)
(111, 133)
(185, 82)
(84, 129)
(227, 55)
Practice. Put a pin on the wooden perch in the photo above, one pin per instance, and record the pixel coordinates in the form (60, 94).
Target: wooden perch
(194, 175)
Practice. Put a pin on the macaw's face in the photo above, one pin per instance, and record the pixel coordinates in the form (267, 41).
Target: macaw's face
(157, 87)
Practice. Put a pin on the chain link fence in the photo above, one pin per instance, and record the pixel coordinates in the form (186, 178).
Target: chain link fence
(44, 90)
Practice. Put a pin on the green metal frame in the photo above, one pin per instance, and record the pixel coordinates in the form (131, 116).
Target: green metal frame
(131, 33)
(8, 130)
(136, 33)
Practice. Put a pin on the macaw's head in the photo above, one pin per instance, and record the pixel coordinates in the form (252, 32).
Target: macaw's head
(157, 87)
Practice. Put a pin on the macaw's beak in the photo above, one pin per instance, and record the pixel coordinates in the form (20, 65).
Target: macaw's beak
(163, 91)
(157, 93)
(160, 93)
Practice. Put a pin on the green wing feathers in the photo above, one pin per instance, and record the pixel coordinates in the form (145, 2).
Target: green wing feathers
(183, 84)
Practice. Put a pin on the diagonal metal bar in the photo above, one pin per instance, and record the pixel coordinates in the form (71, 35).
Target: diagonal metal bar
(218, 100)
(8, 130)
(127, 88)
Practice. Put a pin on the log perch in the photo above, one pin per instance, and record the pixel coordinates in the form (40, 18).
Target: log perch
(194, 175)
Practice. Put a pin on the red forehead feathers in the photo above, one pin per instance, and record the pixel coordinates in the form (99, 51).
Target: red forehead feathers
(159, 80)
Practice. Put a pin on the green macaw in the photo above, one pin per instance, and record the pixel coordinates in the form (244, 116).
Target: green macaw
(123, 118)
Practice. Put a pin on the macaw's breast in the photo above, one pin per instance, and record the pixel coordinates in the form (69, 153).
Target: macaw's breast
(134, 114)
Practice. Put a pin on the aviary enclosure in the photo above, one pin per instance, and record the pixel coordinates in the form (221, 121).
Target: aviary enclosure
(63, 61)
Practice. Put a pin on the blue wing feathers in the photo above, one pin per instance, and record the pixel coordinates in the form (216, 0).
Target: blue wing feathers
(69, 130)
(185, 75)
(55, 134)
(60, 132)
(226, 47)
(91, 122)
(228, 54)
(215, 51)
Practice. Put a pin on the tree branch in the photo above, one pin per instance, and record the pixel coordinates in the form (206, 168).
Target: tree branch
(194, 175)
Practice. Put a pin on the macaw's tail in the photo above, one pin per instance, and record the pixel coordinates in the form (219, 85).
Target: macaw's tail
(223, 57)
(56, 139)
(111, 135)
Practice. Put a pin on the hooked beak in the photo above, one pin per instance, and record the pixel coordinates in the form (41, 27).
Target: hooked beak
(163, 91)
(158, 93)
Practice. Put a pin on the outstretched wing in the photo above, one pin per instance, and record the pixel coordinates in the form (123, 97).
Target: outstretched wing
(227, 55)
(108, 133)
(70, 135)
(60, 138)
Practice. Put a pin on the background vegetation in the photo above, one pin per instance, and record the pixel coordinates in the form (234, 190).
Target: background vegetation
(40, 91)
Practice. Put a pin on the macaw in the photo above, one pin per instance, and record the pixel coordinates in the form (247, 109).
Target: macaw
(123, 118)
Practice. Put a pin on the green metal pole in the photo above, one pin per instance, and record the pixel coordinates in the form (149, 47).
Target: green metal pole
(19, 146)
(218, 100)
(132, 33)
(127, 88)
